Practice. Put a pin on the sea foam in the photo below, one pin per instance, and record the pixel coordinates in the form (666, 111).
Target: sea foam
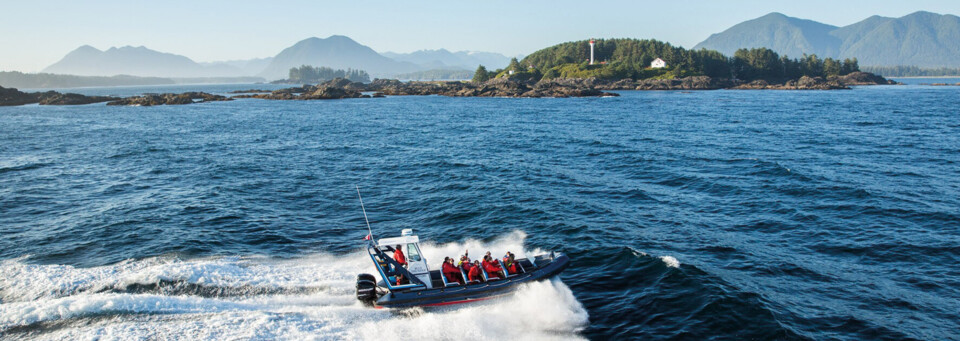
(266, 298)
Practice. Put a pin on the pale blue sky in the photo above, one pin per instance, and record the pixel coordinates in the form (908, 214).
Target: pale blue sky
(37, 33)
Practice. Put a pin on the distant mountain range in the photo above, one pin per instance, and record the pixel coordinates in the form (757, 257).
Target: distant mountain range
(135, 61)
(338, 52)
(921, 39)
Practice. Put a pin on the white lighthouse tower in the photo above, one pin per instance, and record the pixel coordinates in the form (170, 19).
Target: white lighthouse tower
(591, 51)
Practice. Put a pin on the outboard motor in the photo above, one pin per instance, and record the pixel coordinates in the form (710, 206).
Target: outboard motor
(367, 288)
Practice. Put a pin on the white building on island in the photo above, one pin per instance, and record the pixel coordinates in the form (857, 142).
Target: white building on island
(658, 63)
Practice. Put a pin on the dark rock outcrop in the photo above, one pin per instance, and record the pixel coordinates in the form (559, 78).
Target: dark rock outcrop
(11, 96)
(497, 87)
(310, 92)
(863, 78)
(804, 83)
(688, 83)
(250, 91)
(344, 83)
(170, 99)
(56, 98)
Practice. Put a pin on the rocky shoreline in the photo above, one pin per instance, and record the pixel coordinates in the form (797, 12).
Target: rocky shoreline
(499, 87)
(12, 97)
(589, 87)
(169, 99)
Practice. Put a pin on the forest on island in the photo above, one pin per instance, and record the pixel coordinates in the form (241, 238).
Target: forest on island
(308, 74)
(630, 58)
(911, 71)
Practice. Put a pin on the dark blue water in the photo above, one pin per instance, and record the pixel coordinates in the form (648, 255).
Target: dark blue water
(700, 215)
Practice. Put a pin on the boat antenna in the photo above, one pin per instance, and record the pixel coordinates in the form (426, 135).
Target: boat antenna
(364, 213)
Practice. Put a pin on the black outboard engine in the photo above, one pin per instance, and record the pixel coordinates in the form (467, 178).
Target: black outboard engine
(367, 288)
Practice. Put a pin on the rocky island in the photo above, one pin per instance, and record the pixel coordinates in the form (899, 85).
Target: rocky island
(558, 87)
(169, 99)
(11, 97)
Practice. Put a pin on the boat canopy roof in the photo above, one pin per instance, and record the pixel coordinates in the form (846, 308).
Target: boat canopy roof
(398, 240)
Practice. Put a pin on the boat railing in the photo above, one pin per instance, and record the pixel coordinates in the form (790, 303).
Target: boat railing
(389, 269)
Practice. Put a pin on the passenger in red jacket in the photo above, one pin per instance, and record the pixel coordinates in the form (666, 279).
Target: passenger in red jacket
(399, 257)
(492, 267)
(510, 263)
(451, 272)
(474, 273)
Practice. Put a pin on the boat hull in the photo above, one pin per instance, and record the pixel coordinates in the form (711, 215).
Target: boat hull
(472, 292)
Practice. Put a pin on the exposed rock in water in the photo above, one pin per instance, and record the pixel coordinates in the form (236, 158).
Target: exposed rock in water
(863, 78)
(250, 91)
(56, 98)
(331, 92)
(567, 87)
(307, 93)
(336, 88)
(497, 87)
(170, 99)
(804, 83)
(344, 83)
(11, 96)
(688, 83)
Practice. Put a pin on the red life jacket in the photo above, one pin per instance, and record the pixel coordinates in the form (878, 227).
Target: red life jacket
(491, 266)
(474, 273)
(451, 272)
(492, 270)
(510, 266)
(398, 256)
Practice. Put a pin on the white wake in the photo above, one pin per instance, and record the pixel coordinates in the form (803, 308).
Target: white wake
(264, 298)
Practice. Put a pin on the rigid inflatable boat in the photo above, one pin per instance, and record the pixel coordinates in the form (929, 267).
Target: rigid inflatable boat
(424, 287)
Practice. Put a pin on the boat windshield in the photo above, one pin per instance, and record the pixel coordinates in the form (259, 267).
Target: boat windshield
(413, 253)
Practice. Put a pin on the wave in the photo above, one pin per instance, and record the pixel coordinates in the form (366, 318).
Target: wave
(670, 261)
(24, 167)
(262, 297)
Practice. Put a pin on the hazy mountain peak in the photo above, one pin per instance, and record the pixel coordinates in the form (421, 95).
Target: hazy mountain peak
(336, 37)
(773, 15)
(87, 48)
(921, 38)
(787, 35)
(336, 51)
(135, 61)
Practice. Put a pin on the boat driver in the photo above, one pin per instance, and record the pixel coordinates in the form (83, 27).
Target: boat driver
(399, 257)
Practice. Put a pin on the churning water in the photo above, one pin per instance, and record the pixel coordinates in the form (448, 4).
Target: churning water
(687, 215)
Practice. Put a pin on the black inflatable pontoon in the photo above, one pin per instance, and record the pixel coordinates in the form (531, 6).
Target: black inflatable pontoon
(425, 288)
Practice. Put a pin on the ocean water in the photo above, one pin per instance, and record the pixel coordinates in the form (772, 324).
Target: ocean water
(746, 215)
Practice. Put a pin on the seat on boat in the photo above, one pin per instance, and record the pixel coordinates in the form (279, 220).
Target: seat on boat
(526, 264)
(486, 277)
(447, 283)
(520, 270)
(466, 278)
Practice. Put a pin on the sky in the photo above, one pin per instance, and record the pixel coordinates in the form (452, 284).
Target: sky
(38, 33)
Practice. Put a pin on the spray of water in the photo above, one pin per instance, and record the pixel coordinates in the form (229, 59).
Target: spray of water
(264, 298)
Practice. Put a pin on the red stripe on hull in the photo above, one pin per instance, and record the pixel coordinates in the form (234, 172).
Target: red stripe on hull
(457, 302)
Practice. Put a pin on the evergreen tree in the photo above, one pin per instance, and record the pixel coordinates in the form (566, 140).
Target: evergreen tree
(514, 65)
(481, 75)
